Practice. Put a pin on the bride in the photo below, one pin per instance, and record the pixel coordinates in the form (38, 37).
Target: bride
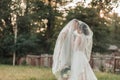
(72, 52)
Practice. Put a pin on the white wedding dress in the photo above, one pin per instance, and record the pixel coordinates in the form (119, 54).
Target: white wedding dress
(73, 50)
(80, 67)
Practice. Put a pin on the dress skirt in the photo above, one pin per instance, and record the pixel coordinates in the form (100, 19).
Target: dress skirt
(80, 68)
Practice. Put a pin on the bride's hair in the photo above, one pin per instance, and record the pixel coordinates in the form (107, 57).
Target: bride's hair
(84, 28)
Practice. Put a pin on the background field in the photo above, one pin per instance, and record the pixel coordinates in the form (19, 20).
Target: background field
(40, 73)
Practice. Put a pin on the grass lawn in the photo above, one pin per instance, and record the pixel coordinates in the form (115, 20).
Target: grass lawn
(39, 73)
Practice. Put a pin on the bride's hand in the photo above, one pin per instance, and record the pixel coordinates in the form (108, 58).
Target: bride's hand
(76, 24)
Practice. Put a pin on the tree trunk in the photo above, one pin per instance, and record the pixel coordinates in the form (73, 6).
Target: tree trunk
(14, 58)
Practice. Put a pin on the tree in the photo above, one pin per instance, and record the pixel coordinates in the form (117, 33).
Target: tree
(5, 24)
(46, 12)
(98, 25)
(114, 28)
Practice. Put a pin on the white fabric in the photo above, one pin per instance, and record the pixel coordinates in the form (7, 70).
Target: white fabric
(73, 49)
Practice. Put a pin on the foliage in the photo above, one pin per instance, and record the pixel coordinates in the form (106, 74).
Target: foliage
(35, 36)
(28, 40)
(114, 29)
(97, 24)
(5, 60)
(6, 33)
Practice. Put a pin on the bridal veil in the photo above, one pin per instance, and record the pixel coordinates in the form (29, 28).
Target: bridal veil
(64, 47)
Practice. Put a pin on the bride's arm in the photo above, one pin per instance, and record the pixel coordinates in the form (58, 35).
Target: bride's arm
(63, 35)
(79, 39)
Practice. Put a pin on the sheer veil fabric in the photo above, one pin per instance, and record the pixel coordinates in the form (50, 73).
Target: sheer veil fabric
(73, 50)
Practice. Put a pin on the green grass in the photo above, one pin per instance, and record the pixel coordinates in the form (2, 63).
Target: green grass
(38, 73)
(25, 73)
(107, 76)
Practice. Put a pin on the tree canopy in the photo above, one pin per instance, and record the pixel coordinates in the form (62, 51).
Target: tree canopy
(41, 21)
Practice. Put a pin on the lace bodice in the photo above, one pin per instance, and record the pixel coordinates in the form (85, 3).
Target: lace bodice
(79, 41)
